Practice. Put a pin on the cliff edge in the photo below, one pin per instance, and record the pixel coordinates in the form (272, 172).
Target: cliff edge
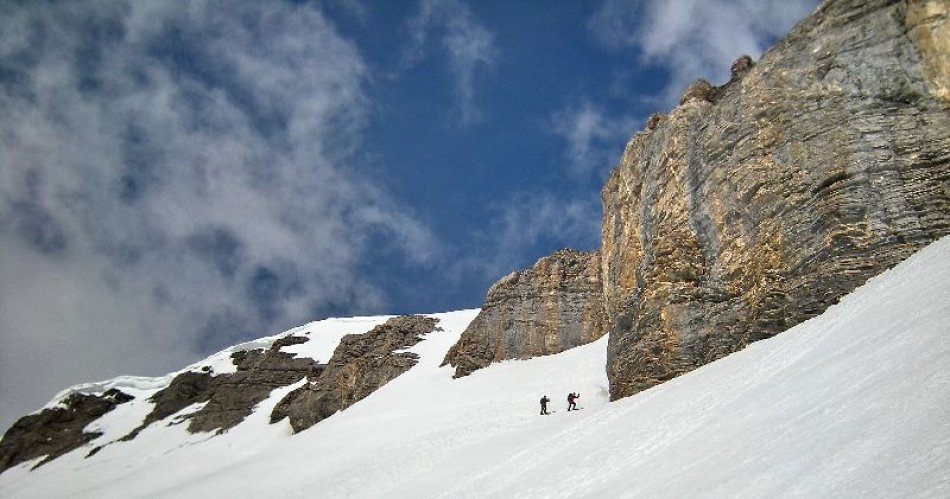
(754, 206)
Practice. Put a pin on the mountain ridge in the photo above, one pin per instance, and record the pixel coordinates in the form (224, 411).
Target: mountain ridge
(803, 413)
(745, 212)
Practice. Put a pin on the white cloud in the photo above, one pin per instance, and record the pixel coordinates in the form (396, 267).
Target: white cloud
(594, 138)
(695, 38)
(468, 46)
(173, 177)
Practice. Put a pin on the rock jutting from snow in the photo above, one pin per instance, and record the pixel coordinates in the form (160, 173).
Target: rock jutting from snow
(185, 389)
(229, 398)
(551, 307)
(55, 431)
(754, 206)
(258, 373)
(360, 364)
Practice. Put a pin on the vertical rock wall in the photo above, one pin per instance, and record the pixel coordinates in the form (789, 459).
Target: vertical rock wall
(754, 206)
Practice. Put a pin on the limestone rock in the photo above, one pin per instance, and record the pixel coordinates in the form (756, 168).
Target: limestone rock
(555, 305)
(927, 27)
(740, 67)
(359, 366)
(54, 432)
(699, 90)
(754, 206)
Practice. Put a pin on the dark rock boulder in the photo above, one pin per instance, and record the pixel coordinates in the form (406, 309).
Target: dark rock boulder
(360, 365)
(56, 431)
(555, 305)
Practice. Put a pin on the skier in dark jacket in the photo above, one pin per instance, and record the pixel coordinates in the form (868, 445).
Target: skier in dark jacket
(544, 405)
(571, 404)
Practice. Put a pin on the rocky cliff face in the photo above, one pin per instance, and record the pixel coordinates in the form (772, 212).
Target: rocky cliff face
(754, 206)
(551, 307)
(360, 365)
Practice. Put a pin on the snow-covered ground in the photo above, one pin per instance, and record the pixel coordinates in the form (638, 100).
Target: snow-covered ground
(855, 403)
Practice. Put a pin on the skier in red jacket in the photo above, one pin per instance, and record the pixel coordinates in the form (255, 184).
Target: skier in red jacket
(571, 404)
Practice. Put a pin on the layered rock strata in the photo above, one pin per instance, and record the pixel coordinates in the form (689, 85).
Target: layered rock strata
(553, 306)
(360, 365)
(754, 206)
(55, 431)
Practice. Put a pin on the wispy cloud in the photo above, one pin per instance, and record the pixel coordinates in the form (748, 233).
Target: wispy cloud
(695, 38)
(174, 177)
(468, 46)
(594, 139)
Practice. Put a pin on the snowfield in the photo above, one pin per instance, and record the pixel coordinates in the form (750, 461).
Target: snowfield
(854, 403)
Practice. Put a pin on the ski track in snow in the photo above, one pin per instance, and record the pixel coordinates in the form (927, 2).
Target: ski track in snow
(854, 403)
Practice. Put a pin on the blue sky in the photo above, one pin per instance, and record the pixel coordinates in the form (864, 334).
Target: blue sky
(176, 177)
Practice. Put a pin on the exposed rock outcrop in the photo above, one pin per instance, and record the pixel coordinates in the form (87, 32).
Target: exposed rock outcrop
(258, 373)
(55, 431)
(229, 398)
(754, 206)
(555, 305)
(360, 365)
(185, 389)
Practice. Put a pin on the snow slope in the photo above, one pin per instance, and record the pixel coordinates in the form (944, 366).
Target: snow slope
(854, 403)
